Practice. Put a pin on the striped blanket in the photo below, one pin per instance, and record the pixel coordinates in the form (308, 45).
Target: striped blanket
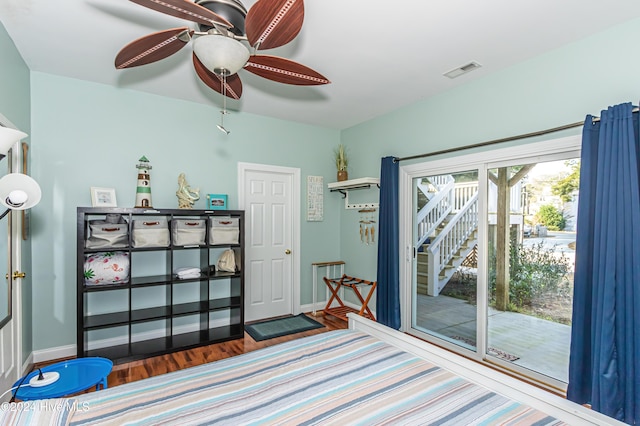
(336, 378)
(340, 377)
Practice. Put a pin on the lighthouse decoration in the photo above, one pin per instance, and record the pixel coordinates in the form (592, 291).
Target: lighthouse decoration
(143, 191)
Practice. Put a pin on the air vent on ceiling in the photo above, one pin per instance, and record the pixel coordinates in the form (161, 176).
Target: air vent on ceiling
(462, 70)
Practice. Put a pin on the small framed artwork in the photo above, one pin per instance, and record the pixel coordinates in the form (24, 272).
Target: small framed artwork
(314, 198)
(103, 197)
(217, 201)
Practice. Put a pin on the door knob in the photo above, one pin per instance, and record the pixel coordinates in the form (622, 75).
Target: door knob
(287, 251)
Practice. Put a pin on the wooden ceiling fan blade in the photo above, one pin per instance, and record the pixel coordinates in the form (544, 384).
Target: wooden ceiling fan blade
(214, 81)
(273, 23)
(284, 71)
(153, 47)
(186, 10)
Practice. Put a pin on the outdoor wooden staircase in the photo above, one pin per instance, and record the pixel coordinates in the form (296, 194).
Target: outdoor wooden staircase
(447, 271)
(447, 226)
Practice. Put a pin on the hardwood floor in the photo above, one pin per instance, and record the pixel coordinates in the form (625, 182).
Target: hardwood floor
(137, 370)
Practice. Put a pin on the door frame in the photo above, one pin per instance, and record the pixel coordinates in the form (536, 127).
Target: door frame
(16, 218)
(14, 264)
(530, 152)
(294, 172)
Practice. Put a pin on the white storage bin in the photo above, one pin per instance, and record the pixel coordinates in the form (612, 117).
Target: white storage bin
(188, 232)
(224, 230)
(150, 233)
(107, 235)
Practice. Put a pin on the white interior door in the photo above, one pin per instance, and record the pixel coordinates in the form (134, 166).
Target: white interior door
(270, 197)
(10, 317)
(9, 332)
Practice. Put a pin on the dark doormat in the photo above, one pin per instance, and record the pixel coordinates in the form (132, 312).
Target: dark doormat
(281, 327)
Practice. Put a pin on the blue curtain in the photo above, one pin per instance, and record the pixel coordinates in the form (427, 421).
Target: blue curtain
(388, 290)
(604, 366)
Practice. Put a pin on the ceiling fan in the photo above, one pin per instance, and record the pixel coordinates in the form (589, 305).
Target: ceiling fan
(226, 40)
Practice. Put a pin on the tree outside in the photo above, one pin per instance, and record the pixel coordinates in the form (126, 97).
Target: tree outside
(551, 217)
(540, 274)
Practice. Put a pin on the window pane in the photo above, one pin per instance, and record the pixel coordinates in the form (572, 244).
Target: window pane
(446, 230)
(531, 240)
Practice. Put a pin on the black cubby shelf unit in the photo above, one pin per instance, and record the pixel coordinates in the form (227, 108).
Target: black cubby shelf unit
(152, 311)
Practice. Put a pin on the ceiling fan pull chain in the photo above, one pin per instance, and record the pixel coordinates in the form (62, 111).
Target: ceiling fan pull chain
(224, 103)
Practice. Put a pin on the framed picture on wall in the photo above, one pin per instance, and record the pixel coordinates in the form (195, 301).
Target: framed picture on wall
(103, 197)
(315, 185)
(217, 201)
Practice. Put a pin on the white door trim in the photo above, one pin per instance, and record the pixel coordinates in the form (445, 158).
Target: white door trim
(534, 152)
(16, 261)
(11, 370)
(243, 168)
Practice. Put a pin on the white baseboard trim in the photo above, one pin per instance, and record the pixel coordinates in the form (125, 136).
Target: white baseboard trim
(49, 354)
(309, 307)
(26, 366)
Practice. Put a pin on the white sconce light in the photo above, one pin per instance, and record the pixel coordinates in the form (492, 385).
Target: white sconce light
(8, 138)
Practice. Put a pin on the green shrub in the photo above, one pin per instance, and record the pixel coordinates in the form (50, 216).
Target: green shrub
(533, 271)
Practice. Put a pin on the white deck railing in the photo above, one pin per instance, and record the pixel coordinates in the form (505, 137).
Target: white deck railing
(437, 209)
(446, 199)
(449, 198)
(463, 193)
(450, 240)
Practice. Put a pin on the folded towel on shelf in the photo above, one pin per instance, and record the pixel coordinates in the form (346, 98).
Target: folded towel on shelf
(185, 276)
(187, 272)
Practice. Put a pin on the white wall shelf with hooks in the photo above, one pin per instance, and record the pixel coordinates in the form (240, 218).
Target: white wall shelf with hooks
(345, 186)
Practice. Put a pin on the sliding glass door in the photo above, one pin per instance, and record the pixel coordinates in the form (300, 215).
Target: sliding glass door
(490, 239)
(446, 232)
(532, 209)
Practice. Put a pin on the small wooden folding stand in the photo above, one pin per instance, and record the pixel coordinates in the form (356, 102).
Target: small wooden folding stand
(341, 311)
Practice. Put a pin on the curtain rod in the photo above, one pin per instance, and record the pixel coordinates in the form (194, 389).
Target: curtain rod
(502, 140)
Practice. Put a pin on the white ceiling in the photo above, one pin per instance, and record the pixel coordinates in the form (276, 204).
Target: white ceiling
(379, 55)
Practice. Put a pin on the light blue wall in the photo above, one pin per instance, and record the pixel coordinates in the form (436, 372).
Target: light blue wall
(15, 101)
(86, 134)
(557, 88)
(15, 104)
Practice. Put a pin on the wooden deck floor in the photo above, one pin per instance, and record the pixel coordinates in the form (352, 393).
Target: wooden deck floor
(540, 345)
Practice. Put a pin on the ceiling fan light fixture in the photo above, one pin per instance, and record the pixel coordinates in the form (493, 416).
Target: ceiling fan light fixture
(220, 54)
